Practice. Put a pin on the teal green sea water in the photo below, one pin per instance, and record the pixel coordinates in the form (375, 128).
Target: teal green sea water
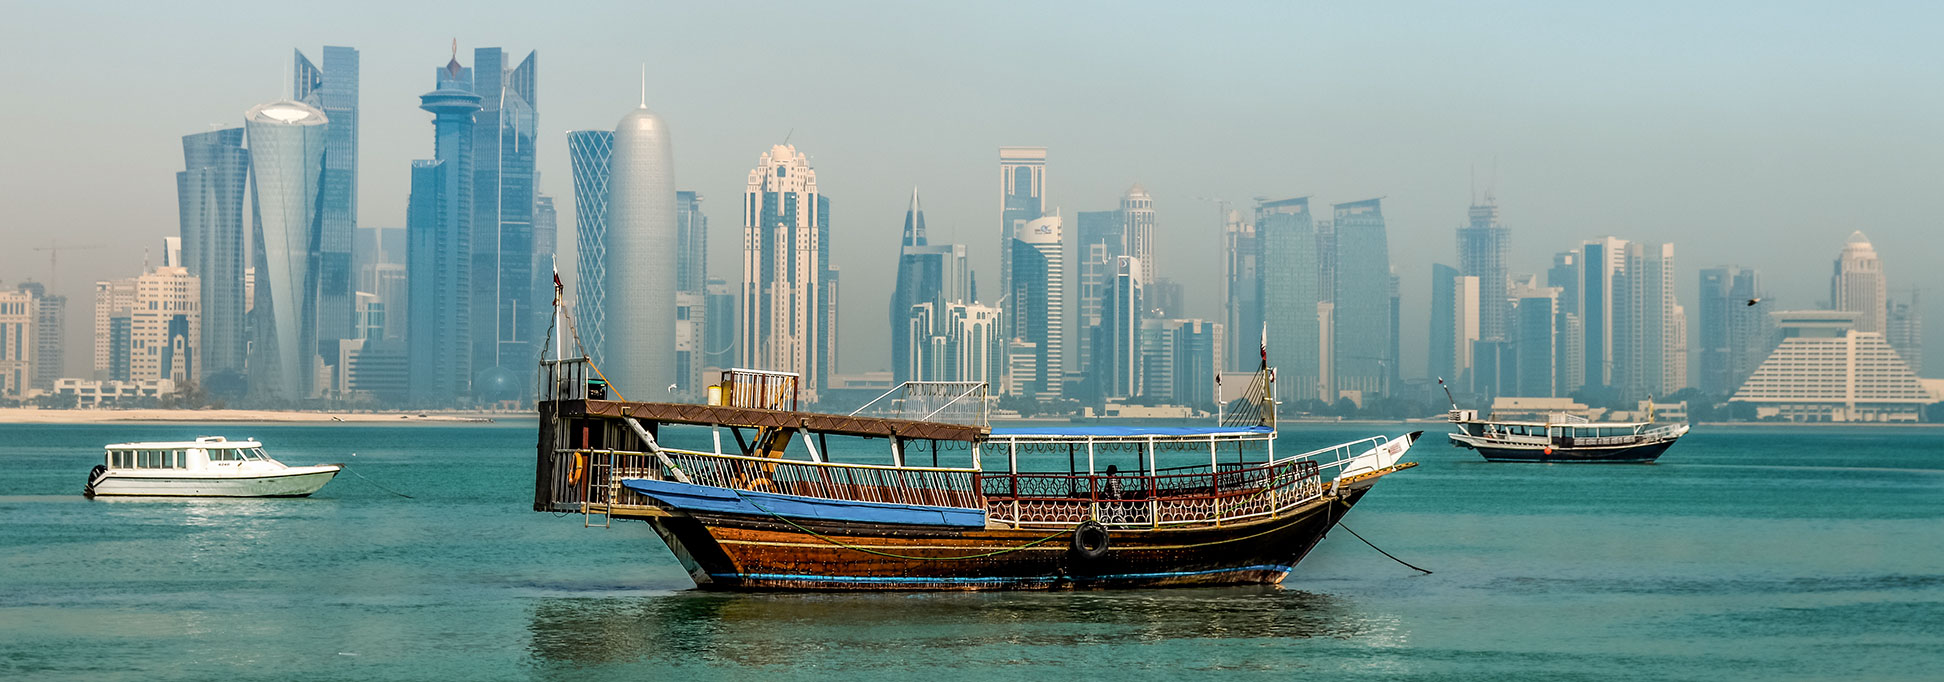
(1747, 553)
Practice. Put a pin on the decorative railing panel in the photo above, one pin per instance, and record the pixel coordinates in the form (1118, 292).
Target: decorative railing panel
(1164, 499)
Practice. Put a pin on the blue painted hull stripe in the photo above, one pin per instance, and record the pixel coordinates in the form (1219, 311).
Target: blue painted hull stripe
(978, 580)
(692, 497)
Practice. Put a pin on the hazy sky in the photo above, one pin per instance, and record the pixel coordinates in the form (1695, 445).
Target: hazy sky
(1757, 134)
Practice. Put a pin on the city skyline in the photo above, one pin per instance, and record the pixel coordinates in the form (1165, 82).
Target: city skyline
(1233, 159)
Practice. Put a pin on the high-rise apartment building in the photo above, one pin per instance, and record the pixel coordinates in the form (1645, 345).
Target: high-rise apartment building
(50, 336)
(1287, 235)
(589, 153)
(789, 287)
(1601, 262)
(640, 259)
(1179, 359)
(1137, 230)
(1022, 197)
(719, 349)
(1241, 289)
(209, 199)
(114, 306)
(30, 339)
(165, 325)
(507, 321)
(1858, 284)
(287, 142)
(1038, 300)
(1117, 362)
(1482, 246)
(438, 227)
(1362, 300)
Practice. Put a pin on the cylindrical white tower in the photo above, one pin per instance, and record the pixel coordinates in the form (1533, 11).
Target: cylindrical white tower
(286, 164)
(639, 277)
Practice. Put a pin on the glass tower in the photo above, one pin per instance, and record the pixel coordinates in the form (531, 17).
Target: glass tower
(1287, 236)
(334, 90)
(507, 322)
(1361, 329)
(287, 146)
(1038, 300)
(209, 197)
(642, 252)
(588, 152)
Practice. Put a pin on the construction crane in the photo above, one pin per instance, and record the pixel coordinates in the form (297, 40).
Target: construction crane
(54, 250)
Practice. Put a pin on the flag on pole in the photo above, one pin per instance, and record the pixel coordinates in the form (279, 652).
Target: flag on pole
(557, 287)
(1265, 344)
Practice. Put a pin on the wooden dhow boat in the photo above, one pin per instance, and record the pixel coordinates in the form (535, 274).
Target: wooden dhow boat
(1560, 437)
(942, 501)
(749, 492)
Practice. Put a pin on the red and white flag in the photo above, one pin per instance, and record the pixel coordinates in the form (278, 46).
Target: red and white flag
(557, 288)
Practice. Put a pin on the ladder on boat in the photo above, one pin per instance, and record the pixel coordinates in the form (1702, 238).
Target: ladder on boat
(608, 490)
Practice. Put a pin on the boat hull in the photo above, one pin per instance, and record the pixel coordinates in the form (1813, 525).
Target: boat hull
(1633, 454)
(742, 552)
(294, 482)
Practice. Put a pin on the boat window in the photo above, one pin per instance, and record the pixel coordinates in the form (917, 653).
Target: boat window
(222, 455)
(252, 454)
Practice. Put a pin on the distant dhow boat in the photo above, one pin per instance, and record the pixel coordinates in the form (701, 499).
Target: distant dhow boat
(211, 466)
(1562, 438)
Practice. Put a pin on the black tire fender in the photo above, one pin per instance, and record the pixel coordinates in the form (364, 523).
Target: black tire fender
(1091, 540)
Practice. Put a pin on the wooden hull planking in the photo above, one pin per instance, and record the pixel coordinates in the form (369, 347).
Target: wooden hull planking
(762, 553)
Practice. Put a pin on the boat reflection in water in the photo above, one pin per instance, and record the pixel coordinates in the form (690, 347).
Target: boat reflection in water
(893, 630)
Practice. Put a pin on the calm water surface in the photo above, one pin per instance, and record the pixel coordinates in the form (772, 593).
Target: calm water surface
(1779, 553)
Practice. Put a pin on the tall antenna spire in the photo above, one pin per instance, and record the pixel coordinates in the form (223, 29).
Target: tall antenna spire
(644, 85)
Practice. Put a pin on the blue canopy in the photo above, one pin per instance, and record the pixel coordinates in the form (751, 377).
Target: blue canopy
(1126, 431)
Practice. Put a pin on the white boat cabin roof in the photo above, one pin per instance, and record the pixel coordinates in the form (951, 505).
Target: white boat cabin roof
(205, 442)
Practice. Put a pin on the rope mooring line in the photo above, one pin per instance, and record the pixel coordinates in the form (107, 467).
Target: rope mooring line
(375, 484)
(1380, 550)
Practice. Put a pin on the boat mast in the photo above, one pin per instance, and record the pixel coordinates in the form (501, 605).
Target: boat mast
(1447, 390)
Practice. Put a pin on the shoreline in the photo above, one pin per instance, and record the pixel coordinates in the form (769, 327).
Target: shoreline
(26, 415)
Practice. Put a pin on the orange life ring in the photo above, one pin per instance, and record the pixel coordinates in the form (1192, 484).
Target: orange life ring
(575, 474)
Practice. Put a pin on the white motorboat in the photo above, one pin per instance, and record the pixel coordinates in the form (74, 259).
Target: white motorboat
(211, 466)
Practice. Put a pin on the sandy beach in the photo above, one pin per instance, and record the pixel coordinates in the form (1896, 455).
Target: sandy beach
(28, 415)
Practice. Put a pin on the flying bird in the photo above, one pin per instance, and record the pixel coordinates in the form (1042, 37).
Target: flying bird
(1754, 301)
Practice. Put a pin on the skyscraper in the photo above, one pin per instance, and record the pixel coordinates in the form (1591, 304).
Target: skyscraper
(287, 144)
(1137, 228)
(1724, 292)
(1288, 264)
(1602, 260)
(1241, 288)
(927, 273)
(209, 198)
(1362, 300)
(1118, 361)
(1535, 342)
(640, 259)
(1482, 247)
(1904, 329)
(1100, 245)
(334, 91)
(438, 231)
(1858, 284)
(507, 322)
(1038, 300)
(1442, 334)
(788, 284)
(1022, 197)
(589, 153)
(691, 243)
(1651, 345)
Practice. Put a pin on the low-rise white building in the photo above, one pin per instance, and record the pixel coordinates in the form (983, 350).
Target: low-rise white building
(94, 392)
